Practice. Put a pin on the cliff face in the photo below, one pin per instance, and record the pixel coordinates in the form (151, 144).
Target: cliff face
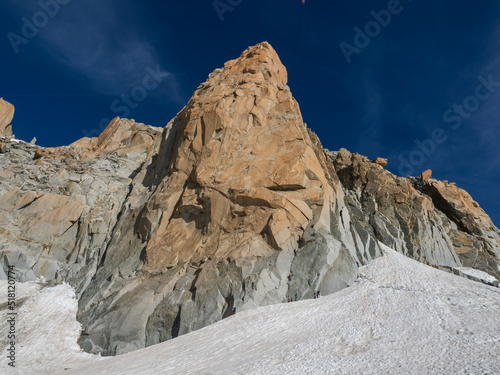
(431, 221)
(164, 231)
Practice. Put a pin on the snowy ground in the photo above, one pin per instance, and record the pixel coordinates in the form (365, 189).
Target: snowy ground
(46, 330)
(400, 317)
(477, 274)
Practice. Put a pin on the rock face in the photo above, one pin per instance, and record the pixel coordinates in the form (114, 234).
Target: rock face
(431, 221)
(6, 116)
(164, 231)
(55, 203)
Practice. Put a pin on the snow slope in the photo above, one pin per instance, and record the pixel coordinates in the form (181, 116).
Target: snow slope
(477, 274)
(399, 317)
(46, 329)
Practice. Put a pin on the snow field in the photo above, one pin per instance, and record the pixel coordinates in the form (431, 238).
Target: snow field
(399, 317)
(46, 329)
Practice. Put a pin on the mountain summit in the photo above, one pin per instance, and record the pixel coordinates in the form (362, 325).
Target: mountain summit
(234, 204)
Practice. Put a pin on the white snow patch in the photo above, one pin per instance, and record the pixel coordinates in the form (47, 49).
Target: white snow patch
(399, 317)
(478, 274)
(15, 140)
(46, 330)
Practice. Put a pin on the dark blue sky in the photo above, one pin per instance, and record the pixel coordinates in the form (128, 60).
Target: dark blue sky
(413, 80)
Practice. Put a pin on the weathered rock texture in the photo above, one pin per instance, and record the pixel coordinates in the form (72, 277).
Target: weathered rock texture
(6, 116)
(431, 221)
(164, 231)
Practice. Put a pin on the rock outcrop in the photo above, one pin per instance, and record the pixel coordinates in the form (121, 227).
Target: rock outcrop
(164, 231)
(6, 116)
(426, 175)
(428, 220)
(55, 202)
(380, 161)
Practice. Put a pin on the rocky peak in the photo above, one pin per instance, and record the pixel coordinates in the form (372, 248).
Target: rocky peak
(234, 203)
(244, 155)
(257, 64)
(459, 206)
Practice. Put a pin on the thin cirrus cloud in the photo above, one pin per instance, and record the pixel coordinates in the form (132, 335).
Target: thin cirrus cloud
(103, 43)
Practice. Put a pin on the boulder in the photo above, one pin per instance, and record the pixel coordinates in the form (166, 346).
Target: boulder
(380, 161)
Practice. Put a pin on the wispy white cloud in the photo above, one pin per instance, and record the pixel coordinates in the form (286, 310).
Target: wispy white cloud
(103, 41)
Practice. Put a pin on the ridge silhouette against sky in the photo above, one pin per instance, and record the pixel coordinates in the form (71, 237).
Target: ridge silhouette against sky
(415, 81)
